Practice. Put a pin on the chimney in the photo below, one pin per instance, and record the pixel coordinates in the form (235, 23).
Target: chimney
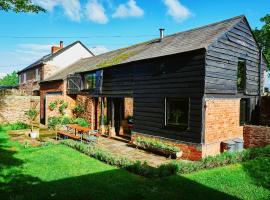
(161, 30)
(57, 48)
(61, 44)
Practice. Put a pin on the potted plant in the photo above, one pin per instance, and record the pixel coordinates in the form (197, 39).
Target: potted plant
(32, 114)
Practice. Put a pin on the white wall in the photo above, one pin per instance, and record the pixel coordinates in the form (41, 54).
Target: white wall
(69, 56)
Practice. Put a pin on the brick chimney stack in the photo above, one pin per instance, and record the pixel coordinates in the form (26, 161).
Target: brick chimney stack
(57, 48)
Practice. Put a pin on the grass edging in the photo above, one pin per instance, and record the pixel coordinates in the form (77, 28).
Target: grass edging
(171, 168)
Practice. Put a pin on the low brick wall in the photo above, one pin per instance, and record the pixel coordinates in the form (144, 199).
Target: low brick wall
(256, 136)
(12, 108)
(190, 151)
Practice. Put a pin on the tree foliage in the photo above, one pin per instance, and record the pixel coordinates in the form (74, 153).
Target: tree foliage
(263, 37)
(20, 6)
(10, 79)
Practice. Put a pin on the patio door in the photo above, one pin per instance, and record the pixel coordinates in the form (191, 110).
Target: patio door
(116, 113)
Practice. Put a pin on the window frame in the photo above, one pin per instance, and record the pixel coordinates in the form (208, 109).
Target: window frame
(241, 90)
(85, 82)
(171, 126)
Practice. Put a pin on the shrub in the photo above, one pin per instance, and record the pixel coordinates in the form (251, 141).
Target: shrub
(82, 122)
(62, 107)
(32, 114)
(78, 110)
(53, 105)
(19, 126)
(149, 142)
(53, 122)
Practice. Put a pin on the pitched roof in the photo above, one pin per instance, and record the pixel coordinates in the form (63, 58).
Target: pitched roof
(51, 56)
(190, 40)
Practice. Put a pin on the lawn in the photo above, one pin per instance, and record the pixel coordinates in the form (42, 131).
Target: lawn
(59, 172)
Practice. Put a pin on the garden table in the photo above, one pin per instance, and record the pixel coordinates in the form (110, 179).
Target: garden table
(79, 129)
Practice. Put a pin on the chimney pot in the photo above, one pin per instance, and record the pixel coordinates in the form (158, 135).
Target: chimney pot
(61, 44)
(161, 30)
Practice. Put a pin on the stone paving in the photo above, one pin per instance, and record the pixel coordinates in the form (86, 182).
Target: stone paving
(122, 148)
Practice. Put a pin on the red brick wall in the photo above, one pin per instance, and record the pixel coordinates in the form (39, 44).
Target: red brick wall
(56, 86)
(88, 103)
(190, 151)
(256, 136)
(221, 123)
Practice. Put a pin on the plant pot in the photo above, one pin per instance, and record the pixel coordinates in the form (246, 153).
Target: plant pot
(34, 134)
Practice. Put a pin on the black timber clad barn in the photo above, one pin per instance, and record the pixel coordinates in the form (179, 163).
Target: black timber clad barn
(194, 65)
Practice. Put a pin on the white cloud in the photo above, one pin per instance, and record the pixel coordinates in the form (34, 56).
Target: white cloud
(99, 49)
(95, 12)
(176, 10)
(130, 9)
(72, 8)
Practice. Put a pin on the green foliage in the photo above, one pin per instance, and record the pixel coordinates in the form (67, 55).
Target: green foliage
(31, 114)
(10, 79)
(55, 121)
(19, 126)
(82, 122)
(263, 36)
(62, 107)
(20, 6)
(155, 143)
(78, 110)
(53, 105)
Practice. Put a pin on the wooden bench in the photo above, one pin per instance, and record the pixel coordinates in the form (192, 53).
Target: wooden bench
(68, 135)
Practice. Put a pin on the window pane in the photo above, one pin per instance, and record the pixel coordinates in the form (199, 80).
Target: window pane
(90, 81)
(241, 75)
(177, 112)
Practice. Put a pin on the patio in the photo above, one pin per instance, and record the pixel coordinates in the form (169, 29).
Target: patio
(121, 147)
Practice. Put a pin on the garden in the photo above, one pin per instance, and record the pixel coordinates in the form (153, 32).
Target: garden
(72, 170)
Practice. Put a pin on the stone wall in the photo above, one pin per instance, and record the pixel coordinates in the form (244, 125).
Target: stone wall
(256, 136)
(31, 84)
(13, 107)
(221, 123)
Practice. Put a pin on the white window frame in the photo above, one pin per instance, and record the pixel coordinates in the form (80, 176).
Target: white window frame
(37, 75)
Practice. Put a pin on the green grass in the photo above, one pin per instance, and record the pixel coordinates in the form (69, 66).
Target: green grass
(59, 172)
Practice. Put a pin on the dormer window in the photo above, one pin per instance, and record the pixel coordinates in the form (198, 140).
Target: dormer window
(241, 75)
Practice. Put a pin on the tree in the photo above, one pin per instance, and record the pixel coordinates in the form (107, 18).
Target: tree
(10, 79)
(20, 6)
(263, 37)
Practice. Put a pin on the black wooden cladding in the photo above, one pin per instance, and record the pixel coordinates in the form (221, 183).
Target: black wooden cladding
(222, 61)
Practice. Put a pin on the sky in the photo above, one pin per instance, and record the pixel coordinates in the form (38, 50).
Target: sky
(104, 25)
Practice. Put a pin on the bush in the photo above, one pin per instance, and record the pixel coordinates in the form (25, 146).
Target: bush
(53, 105)
(82, 122)
(62, 107)
(53, 122)
(19, 126)
(78, 110)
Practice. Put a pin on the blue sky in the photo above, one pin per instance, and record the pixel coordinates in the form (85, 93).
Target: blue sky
(105, 25)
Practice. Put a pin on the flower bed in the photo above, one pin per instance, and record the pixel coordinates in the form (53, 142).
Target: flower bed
(158, 147)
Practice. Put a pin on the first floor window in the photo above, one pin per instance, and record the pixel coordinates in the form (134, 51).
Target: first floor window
(177, 110)
(241, 75)
(244, 111)
(90, 81)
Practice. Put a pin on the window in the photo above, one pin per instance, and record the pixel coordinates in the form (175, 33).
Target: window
(241, 75)
(244, 111)
(90, 81)
(37, 74)
(24, 78)
(176, 111)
